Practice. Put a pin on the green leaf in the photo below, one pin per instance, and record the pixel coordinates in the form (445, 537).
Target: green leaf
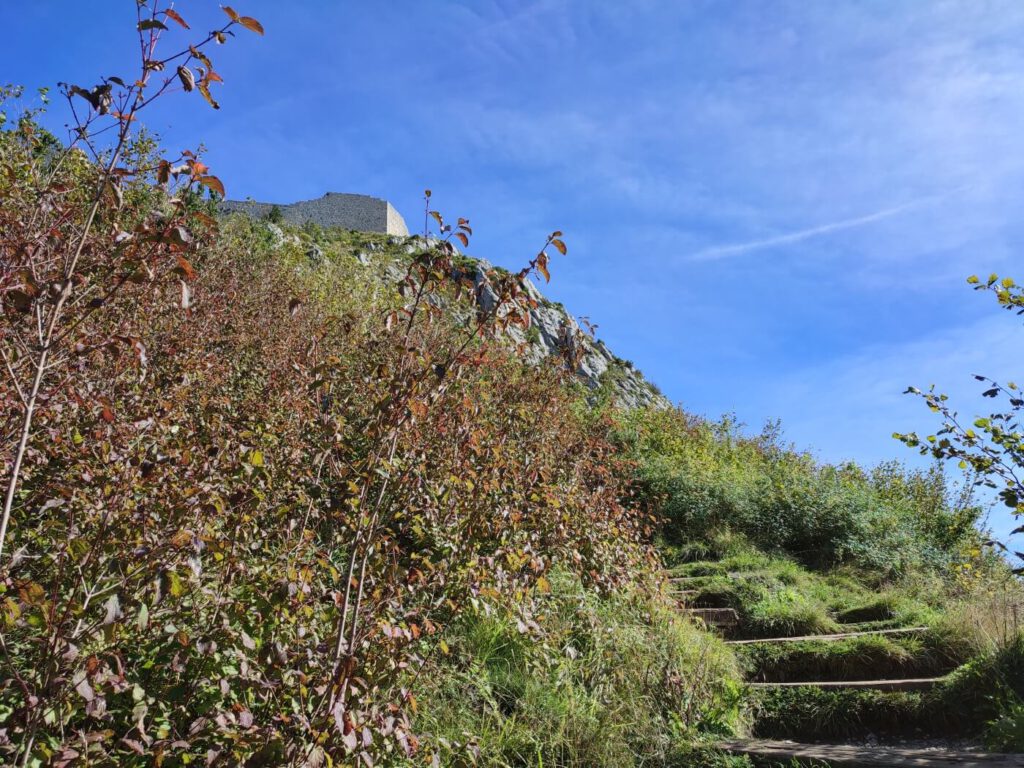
(175, 585)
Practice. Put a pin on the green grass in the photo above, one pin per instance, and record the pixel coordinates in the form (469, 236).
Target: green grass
(777, 596)
(620, 680)
(815, 714)
(857, 658)
(712, 476)
(984, 697)
(1006, 732)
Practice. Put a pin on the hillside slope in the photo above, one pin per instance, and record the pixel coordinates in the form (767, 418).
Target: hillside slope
(553, 330)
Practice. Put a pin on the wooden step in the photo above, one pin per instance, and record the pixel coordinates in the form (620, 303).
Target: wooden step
(732, 576)
(849, 756)
(719, 617)
(837, 636)
(911, 684)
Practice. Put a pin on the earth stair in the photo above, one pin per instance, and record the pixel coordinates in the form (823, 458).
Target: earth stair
(776, 749)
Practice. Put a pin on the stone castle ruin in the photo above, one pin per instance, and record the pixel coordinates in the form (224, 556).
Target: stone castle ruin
(335, 209)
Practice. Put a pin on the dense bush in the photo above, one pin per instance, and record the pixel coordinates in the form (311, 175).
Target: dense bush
(263, 487)
(710, 476)
(988, 695)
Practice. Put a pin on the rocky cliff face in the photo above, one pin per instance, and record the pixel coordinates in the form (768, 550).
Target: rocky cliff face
(551, 326)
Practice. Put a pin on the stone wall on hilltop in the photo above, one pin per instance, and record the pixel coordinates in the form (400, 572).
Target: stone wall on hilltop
(335, 209)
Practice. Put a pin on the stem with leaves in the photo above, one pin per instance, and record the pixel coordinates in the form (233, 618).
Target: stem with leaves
(121, 111)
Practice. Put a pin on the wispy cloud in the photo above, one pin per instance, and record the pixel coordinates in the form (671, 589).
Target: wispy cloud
(737, 249)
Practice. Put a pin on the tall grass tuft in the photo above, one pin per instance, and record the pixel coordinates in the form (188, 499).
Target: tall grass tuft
(615, 680)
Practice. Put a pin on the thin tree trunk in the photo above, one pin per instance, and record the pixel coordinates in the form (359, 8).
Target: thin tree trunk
(44, 358)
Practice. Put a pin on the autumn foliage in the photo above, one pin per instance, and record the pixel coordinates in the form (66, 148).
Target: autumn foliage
(253, 494)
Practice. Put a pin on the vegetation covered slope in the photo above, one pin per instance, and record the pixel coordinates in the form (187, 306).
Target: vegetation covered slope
(289, 505)
(800, 550)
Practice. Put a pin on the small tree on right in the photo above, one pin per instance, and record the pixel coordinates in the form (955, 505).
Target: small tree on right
(990, 447)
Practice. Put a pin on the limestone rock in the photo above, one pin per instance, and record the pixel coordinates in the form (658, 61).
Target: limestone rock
(555, 329)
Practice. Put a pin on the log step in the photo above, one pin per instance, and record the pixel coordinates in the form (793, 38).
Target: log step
(732, 575)
(719, 617)
(849, 756)
(837, 636)
(911, 684)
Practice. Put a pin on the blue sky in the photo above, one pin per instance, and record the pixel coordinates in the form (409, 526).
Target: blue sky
(770, 207)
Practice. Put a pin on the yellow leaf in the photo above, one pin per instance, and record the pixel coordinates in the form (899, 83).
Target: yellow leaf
(175, 586)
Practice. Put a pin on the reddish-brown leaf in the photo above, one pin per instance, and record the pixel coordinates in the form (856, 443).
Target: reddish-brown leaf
(173, 14)
(186, 268)
(542, 266)
(201, 56)
(251, 24)
(209, 221)
(462, 239)
(213, 183)
(559, 245)
(230, 12)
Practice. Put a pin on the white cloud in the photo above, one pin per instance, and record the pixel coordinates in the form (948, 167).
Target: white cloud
(848, 406)
(737, 249)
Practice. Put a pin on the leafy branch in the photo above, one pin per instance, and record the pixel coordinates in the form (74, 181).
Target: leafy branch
(991, 448)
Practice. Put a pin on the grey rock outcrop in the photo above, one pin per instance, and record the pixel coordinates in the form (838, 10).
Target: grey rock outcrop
(553, 330)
